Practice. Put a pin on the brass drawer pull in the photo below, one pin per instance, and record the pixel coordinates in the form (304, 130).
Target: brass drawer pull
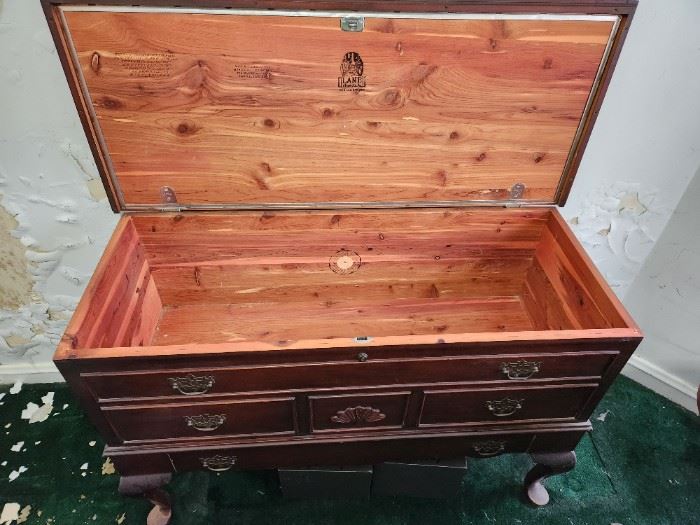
(192, 385)
(520, 369)
(218, 463)
(489, 448)
(205, 422)
(504, 407)
(352, 415)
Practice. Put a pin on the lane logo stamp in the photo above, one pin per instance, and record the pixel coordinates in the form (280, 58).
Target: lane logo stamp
(352, 73)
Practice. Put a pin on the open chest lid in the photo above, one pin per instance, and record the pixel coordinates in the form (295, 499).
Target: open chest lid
(443, 104)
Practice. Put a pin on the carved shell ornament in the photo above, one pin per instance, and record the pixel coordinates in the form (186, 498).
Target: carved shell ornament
(354, 415)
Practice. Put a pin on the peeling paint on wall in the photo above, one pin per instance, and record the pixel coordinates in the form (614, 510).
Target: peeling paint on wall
(618, 224)
(15, 279)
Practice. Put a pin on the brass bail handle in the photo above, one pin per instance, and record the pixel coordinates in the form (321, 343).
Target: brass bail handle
(504, 407)
(520, 369)
(192, 385)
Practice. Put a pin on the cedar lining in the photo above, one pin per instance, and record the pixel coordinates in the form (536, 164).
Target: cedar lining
(455, 111)
(180, 279)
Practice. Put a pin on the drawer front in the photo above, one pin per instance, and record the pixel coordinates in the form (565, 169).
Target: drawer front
(348, 452)
(372, 372)
(310, 452)
(199, 420)
(502, 405)
(361, 411)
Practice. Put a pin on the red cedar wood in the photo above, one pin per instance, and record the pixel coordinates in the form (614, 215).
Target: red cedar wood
(568, 179)
(89, 297)
(584, 274)
(576, 300)
(140, 119)
(623, 8)
(114, 306)
(543, 303)
(593, 280)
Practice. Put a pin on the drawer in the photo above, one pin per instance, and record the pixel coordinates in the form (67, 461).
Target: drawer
(358, 411)
(372, 372)
(203, 419)
(499, 405)
(309, 452)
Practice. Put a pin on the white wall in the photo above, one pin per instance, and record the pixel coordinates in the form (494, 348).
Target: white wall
(643, 152)
(665, 300)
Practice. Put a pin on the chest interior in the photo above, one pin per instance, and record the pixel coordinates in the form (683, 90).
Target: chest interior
(342, 279)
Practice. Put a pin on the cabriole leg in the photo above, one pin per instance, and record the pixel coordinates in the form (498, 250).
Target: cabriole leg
(546, 465)
(150, 486)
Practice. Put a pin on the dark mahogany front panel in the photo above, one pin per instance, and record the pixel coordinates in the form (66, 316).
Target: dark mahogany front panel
(449, 369)
(202, 419)
(350, 451)
(500, 405)
(344, 449)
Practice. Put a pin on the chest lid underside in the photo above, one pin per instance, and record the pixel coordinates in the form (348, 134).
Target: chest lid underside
(242, 109)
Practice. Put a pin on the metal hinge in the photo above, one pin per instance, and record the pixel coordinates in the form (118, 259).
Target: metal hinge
(354, 24)
(167, 196)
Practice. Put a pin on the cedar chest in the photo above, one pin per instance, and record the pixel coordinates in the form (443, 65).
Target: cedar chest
(338, 243)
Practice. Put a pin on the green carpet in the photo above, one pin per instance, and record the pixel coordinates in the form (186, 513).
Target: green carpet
(640, 466)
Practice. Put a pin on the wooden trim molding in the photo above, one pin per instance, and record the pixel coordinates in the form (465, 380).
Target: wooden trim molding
(43, 372)
(585, 6)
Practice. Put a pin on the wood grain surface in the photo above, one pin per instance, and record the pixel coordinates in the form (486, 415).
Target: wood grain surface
(246, 110)
(273, 280)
